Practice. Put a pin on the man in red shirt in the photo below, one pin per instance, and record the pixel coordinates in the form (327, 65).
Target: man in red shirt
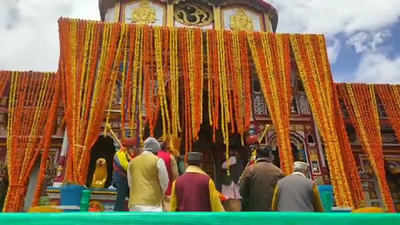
(172, 169)
(195, 190)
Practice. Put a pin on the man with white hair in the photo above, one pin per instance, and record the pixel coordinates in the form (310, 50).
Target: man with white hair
(147, 179)
(296, 192)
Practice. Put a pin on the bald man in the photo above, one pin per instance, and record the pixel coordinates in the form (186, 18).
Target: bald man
(296, 192)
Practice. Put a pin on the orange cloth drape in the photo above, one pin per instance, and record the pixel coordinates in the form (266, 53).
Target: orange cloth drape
(390, 98)
(271, 56)
(31, 95)
(360, 101)
(313, 65)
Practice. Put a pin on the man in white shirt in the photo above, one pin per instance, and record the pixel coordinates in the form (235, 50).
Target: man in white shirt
(147, 179)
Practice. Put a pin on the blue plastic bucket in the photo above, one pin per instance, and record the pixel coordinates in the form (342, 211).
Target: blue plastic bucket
(326, 194)
(71, 195)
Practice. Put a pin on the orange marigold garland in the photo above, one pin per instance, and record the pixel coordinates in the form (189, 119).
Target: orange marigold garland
(183, 53)
(237, 83)
(223, 91)
(213, 81)
(348, 162)
(86, 97)
(361, 104)
(198, 80)
(174, 81)
(318, 85)
(137, 73)
(151, 102)
(230, 83)
(29, 103)
(245, 68)
(4, 81)
(162, 95)
(348, 158)
(273, 66)
(390, 98)
(49, 129)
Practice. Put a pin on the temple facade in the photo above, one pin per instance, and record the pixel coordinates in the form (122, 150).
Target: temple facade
(249, 15)
(259, 15)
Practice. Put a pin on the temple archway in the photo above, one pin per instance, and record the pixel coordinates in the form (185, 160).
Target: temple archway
(298, 148)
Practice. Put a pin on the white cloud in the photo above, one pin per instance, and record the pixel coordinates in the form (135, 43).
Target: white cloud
(29, 31)
(334, 46)
(378, 68)
(364, 23)
(332, 17)
(358, 41)
(368, 41)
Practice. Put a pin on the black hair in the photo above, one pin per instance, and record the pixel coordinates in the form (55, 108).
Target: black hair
(194, 162)
(264, 151)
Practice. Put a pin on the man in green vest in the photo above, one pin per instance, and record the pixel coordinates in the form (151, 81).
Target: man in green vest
(147, 179)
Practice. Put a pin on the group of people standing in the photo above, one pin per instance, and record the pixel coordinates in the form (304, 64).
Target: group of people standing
(149, 176)
(262, 186)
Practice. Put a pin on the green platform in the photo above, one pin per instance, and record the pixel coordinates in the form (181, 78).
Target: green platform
(244, 218)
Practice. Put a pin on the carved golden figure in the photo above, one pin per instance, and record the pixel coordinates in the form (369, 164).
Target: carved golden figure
(100, 174)
(144, 14)
(241, 21)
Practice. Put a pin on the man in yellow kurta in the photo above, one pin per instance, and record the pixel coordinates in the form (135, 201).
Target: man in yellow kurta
(195, 190)
(147, 179)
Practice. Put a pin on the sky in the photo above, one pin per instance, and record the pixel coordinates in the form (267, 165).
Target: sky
(361, 34)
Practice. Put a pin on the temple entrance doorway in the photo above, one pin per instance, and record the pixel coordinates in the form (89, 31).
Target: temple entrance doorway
(103, 148)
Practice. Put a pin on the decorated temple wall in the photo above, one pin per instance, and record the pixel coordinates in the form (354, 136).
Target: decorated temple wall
(145, 12)
(181, 13)
(239, 18)
(304, 136)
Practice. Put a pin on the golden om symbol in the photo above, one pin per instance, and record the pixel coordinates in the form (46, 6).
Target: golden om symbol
(193, 15)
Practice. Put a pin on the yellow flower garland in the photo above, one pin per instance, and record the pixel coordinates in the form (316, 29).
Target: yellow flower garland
(374, 154)
(225, 119)
(161, 83)
(174, 79)
(317, 84)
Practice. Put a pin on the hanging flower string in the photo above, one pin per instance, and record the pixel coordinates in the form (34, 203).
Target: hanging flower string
(273, 69)
(162, 94)
(29, 105)
(4, 81)
(51, 119)
(347, 154)
(318, 85)
(361, 104)
(390, 98)
(213, 82)
(223, 92)
(90, 84)
(174, 81)
(162, 75)
(196, 44)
